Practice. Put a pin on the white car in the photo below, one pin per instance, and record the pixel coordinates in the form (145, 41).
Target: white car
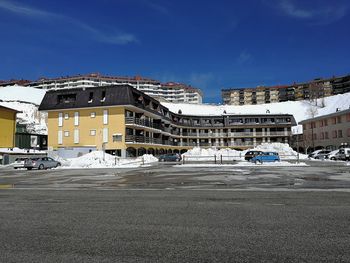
(19, 163)
(333, 155)
(314, 153)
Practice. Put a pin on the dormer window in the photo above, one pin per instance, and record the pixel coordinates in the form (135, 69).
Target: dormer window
(103, 97)
(91, 97)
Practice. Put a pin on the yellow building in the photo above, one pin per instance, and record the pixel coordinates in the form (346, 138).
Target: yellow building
(7, 127)
(124, 121)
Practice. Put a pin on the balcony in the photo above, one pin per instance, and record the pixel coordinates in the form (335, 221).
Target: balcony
(142, 122)
(142, 139)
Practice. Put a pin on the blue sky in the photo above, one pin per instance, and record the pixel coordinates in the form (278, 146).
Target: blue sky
(208, 44)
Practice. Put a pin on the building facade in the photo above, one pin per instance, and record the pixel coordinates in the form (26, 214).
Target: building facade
(172, 92)
(8, 127)
(318, 88)
(128, 122)
(328, 131)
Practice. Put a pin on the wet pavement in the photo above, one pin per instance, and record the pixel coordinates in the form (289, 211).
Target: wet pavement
(315, 176)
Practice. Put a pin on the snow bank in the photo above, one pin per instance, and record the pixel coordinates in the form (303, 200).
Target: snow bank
(201, 154)
(98, 159)
(22, 94)
(283, 149)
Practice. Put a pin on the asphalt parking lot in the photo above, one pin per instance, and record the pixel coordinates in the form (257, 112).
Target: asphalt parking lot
(174, 213)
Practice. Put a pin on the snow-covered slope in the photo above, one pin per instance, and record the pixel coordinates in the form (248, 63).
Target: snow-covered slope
(26, 100)
(300, 109)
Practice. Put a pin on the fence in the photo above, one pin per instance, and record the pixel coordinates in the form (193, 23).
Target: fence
(229, 159)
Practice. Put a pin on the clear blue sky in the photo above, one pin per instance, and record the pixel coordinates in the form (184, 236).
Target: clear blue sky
(208, 44)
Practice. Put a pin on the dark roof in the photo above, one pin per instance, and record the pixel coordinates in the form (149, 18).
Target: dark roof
(114, 95)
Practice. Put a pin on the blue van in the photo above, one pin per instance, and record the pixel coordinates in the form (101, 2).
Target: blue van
(266, 157)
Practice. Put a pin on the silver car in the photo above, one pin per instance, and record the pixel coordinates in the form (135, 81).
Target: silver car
(41, 163)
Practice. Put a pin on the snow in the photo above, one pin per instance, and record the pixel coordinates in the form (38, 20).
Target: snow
(201, 154)
(22, 94)
(246, 164)
(98, 159)
(301, 110)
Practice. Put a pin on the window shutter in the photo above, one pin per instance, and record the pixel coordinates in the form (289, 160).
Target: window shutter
(76, 136)
(105, 134)
(60, 137)
(60, 119)
(105, 116)
(76, 118)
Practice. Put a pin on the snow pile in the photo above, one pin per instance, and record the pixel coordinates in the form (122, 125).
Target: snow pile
(201, 154)
(98, 159)
(283, 150)
(22, 94)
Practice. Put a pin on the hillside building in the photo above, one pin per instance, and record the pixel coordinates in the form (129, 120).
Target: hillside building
(172, 92)
(318, 88)
(127, 122)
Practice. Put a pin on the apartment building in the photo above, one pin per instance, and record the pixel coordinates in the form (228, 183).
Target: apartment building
(180, 93)
(173, 92)
(317, 88)
(328, 131)
(127, 122)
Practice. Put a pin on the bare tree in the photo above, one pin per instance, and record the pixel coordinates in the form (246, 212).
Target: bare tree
(312, 111)
(316, 90)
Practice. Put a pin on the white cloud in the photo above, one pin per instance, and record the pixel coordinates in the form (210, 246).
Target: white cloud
(244, 57)
(321, 13)
(117, 37)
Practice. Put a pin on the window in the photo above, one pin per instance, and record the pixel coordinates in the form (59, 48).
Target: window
(348, 132)
(66, 98)
(348, 117)
(66, 133)
(103, 97)
(92, 132)
(91, 97)
(66, 116)
(334, 120)
(340, 134)
(92, 114)
(76, 136)
(117, 137)
(339, 119)
(59, 137)
(321, 123)
(76, 118)
(325, 122)
(326, 135)
(322, 136)
(105, 116)
(334, 134)
(60, 119)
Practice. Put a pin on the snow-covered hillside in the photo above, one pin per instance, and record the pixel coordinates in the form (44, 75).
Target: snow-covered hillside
(26, 100)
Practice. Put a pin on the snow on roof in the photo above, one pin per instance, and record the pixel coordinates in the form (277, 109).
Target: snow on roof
(300, 109)
(22, 94)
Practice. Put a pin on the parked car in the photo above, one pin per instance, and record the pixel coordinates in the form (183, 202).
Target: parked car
(266, 157)
(314, 153)
(322, 154)
(170, 157)
(344, 154)
(19, 163)
(333, 155)
(250, 154)
(41, 163)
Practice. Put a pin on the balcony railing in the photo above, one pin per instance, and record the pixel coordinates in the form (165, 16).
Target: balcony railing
(142, 122)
